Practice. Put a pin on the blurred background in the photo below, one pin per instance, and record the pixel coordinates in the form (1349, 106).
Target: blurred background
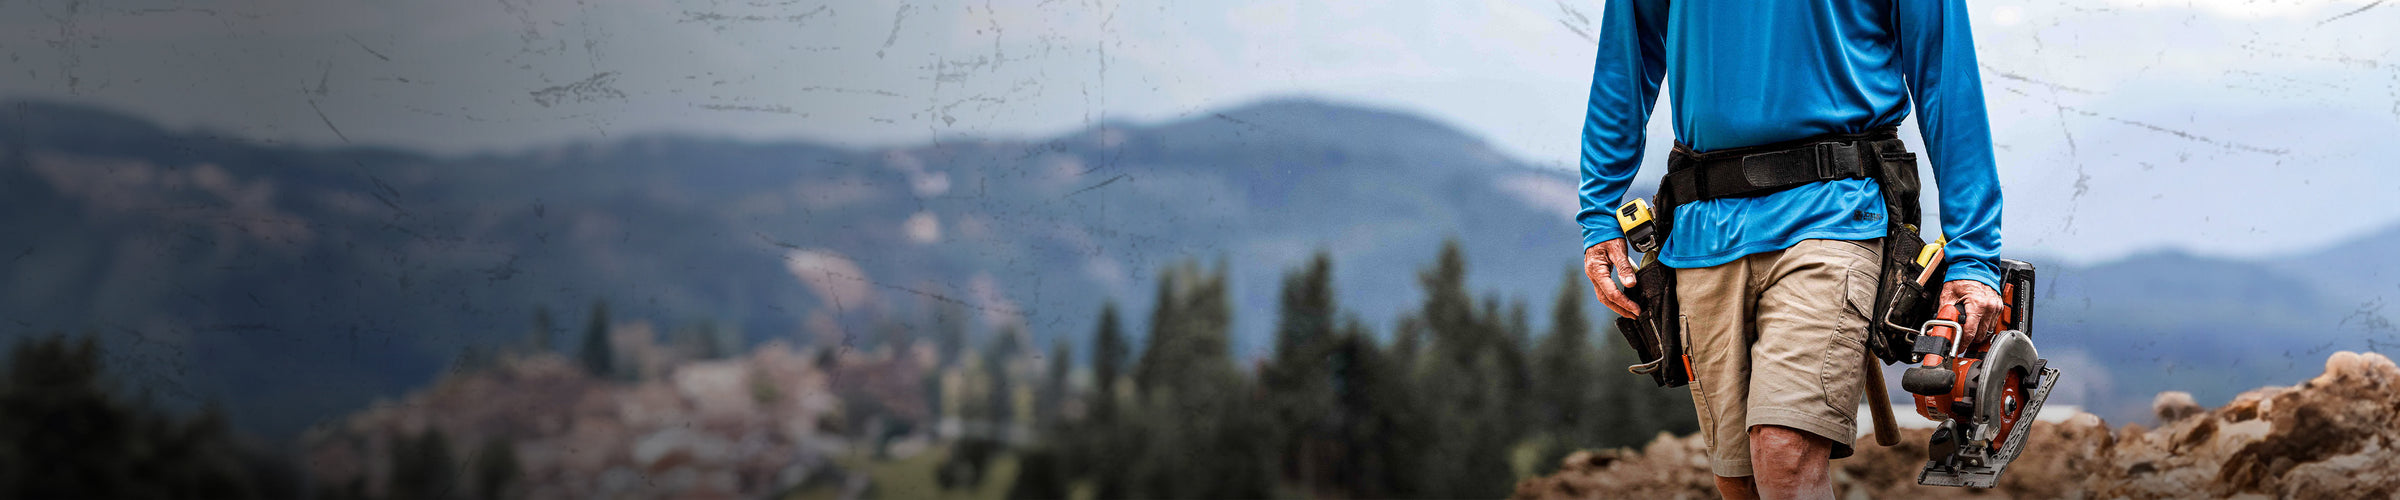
(1056, 249)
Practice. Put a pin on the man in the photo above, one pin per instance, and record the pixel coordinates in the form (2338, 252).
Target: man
(1775, 289)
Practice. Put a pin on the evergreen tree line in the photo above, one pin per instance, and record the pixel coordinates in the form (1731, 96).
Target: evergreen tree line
(66, 433)
(597, 354)
(424, 467)
(1461, 399)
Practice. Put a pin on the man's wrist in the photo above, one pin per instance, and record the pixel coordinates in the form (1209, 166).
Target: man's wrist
(1988, 282)
(1593, 236)
(1972, 269)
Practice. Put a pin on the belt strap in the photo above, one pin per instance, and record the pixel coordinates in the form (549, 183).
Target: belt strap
(1760, 170)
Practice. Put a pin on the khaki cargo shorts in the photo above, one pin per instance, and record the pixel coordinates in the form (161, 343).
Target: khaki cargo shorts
(1775, 339)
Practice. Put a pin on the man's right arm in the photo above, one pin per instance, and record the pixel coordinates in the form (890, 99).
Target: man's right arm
(1625, 78)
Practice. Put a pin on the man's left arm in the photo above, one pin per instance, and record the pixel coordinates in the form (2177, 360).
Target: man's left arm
(1937, 57)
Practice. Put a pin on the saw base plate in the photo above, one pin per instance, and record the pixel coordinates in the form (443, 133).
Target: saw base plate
(1988, 475)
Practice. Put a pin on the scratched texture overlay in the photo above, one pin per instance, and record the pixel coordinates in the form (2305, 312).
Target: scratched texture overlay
(1055, 248)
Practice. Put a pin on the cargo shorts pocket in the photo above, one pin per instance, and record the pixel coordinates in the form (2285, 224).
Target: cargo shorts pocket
(1708, 419)
(1841, 378)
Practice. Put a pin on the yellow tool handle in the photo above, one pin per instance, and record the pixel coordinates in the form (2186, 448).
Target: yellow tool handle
(1925, 257)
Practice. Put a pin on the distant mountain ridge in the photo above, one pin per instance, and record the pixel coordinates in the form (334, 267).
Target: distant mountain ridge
(295, 284)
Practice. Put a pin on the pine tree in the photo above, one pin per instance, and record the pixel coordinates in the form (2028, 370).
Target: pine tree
(423, 467)
(1105, 444)
(949, 332)
(1297, 379)
(1449, 312)
(64, 433)
(1467, 386)
(1039, 476)
(1165, 322)
(1108, 359)
(1188, 337)
(1306, 312)
(599, 358)
(1052, 399)
(496, 469)
(1516, 366)
(1382, 427)
(1004, 352)
(1196, 424)
(1567, 362)
(1570, 394)
(1408, 344)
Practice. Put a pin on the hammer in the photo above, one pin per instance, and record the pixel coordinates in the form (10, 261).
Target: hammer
(1879, 399)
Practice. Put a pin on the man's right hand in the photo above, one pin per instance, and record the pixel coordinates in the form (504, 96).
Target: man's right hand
(1610, 257)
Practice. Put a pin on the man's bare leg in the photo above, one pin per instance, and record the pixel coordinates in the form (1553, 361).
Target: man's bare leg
(1789, 464)
(1737, 488)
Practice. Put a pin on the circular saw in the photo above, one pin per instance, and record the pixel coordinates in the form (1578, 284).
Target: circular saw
(1984, 394)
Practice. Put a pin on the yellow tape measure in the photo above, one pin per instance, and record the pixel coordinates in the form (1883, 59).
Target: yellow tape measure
(1634, 218)
(1925, 257)
(1633, 214)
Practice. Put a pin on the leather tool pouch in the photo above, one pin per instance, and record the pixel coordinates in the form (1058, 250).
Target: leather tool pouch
(1901, 304)
(1657, 336)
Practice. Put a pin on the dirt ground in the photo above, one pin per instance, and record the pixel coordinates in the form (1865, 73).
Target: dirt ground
(2333, 436)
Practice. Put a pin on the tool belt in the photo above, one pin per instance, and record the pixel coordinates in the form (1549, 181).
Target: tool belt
(1761, 170)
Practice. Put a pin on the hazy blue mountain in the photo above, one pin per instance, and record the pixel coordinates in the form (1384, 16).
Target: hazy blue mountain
(2365, 271)
(295, 283)
(2173, 321)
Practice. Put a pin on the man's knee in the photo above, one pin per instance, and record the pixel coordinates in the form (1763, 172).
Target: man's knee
(1779, 447)
(1742, 488)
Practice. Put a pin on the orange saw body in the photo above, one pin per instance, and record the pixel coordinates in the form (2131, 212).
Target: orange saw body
(1980, 392)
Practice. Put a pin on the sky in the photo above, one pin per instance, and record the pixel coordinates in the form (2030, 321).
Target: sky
(2235, 128)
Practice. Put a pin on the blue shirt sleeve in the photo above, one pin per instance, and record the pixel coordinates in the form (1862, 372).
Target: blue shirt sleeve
(1937, 57)
(1625, 78)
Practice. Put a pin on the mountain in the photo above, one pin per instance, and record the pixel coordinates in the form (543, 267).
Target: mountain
(292, 284)
(2173, 321)
(295, 283)
(2362, 270)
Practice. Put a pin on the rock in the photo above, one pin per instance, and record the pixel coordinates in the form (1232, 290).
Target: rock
(2171, 406)
(675, 446)
(699, 432)
(719, 390)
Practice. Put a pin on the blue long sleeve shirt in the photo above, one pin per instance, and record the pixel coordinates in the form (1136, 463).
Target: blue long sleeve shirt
(1759, 72)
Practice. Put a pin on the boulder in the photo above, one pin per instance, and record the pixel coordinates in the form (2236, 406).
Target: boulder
(2171, 406)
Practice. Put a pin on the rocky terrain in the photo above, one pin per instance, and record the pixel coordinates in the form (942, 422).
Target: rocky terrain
(746, 427)
(2333, 436)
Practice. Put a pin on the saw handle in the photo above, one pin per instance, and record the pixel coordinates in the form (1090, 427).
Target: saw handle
(1935, 347)
(1940, 338)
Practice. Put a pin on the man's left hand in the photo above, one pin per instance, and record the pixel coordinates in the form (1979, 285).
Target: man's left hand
(1979, 308)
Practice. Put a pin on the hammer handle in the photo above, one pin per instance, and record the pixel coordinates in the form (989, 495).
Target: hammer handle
(1879, 403)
